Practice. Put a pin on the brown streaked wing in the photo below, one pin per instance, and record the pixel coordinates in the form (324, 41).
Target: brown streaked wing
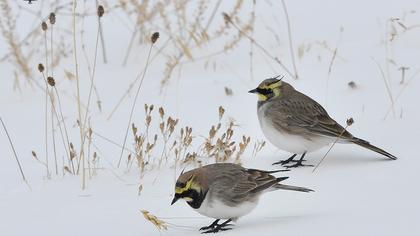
(300, 114)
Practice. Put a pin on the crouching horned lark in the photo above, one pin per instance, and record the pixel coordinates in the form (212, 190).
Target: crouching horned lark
(294, 122)
(226, 191)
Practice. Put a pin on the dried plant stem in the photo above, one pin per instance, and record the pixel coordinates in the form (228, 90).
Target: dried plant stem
(64, 125)
(66, 144)
(52, 53)
(329, 149)
(386, 86)
(134, 104)
(53, 140)
(83, 124)
(52, 112)
(259, 46)
(130, 45)
(81, 158)
(14, 152)
(404, 86)
(112, 142)
(289, 32)
(131, 86)
(46, 107)
(46, 132)
(101, 34)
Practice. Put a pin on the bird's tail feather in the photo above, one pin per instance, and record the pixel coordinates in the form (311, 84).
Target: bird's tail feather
(367, 145)
(293, 188)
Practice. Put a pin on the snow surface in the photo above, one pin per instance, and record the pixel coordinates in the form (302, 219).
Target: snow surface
(357, 192)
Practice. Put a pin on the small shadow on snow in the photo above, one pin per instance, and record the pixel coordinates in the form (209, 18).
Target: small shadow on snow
(336, 159)
(264, 222)
(350, 159)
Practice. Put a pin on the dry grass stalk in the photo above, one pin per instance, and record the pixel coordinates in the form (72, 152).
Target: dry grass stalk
(229, 20)
(138, 77)
(388, 89)
(8, 30)
(159, 224)
(349, 122)
(404, 86)
(100, 13)
(137, 94)
(44, 28)
(79, 109)
(65, 140)
(14, 152)
(289, 33)
(53, 142)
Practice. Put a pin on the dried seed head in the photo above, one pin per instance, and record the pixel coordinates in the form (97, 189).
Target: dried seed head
(34, 154)
(228, 91)
(148, 120)
(226, 17)
(352, 84)
(51, 81)
(101, 10)
(350, 121)
(221, 112)
(155, 37)
(161, 112)
(44, 26)
(41, 67)
(52, 18)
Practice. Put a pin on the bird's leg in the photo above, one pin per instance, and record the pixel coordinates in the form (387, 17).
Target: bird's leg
(299, 162)
(284, 162)
(214, 228)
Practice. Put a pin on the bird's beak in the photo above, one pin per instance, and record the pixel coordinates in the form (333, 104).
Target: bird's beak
(253, 91)
(174, 200)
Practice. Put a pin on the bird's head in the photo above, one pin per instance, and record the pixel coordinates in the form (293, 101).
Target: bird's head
(188, 188)
(268, 89)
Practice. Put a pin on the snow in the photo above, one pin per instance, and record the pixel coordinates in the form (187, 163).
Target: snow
(357, 192)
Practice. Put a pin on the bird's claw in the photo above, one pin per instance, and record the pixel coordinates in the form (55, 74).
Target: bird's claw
(298, 164)
(215, 230)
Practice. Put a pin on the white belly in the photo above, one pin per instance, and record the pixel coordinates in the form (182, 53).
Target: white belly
(288, 142)
(218, 210)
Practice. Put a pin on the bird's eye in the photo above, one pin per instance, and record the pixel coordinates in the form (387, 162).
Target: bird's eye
(180, 185)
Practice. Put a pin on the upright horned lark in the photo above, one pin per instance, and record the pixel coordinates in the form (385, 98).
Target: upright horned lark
(226, 191)
(294, 122)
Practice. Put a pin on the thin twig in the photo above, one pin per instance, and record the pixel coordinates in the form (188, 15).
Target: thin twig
(81, 158)
(267, 53)
(404, 86)
(289, 33)
(14, 152)
(134, 103)
(387, 86)
(349, 122)
(138, 77)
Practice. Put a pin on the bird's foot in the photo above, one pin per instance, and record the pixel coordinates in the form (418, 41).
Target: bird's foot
(215, 227)
(287, 161)
(298, 163)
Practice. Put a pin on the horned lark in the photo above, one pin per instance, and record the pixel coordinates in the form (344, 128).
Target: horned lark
(294, 122)
(226, 191)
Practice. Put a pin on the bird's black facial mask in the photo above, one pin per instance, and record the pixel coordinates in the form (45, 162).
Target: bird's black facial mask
(267, 89)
